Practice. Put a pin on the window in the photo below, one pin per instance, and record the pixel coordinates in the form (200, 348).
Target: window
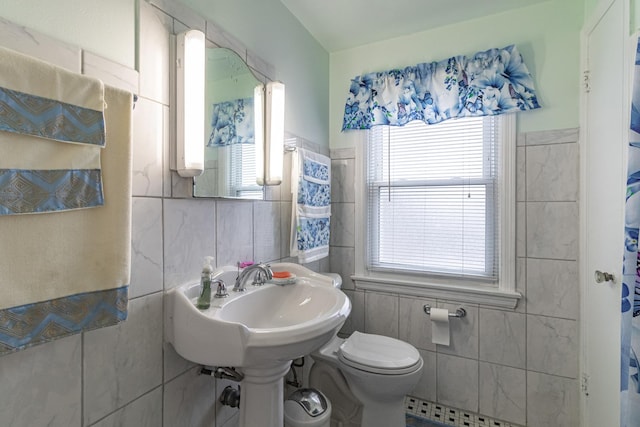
(438, 208)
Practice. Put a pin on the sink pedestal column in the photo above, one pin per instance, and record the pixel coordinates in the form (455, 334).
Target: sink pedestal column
(262, 396)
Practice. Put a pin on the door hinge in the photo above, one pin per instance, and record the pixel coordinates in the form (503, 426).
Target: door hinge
(584, 384)
(586, 81)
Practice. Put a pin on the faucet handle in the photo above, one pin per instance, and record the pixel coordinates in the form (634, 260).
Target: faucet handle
(259, 279)
(221, 291)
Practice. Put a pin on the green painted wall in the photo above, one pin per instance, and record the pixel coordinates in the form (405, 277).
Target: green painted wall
(547, 34)
(104, 27)
(267, 28)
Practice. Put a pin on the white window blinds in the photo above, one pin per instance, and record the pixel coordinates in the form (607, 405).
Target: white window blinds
(432, 198)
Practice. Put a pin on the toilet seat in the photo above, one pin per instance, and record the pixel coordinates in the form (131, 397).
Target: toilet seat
(378, 354)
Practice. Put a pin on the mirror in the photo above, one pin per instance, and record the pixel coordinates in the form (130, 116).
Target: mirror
(229, 149)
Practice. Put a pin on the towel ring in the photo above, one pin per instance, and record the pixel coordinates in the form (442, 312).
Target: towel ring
(460, 312)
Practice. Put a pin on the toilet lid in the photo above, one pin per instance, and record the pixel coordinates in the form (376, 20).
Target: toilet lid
(379, 354)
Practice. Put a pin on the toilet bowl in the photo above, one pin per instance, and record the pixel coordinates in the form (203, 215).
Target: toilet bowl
(372, 371)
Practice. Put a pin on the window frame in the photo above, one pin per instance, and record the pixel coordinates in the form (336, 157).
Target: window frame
(504, 295)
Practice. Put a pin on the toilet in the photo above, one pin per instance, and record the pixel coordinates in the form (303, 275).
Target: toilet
(366, 377)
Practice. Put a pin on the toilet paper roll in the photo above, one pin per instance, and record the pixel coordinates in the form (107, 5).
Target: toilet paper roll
(440, 326)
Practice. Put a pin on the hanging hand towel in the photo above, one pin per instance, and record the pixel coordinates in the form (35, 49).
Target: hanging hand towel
(66, 272)
(311, 210)
(52, 132)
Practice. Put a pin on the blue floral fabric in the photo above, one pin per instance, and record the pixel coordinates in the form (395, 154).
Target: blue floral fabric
(311, 213)
(492, 82)
(313, 233)
(232, 122)
(315, 170)
(314, 194)
(630, 298)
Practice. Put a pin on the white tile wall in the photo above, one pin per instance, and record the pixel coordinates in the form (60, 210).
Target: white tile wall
(127, 375)
(41, 386)
(515, 365)
(123, 362)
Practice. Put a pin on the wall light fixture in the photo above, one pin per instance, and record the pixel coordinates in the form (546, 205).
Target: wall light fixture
(269, 134)
(190, 78)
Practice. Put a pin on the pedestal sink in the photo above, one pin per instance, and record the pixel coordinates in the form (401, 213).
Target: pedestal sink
(260, 331)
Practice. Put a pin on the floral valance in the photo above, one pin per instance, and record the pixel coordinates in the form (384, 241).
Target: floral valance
(496, 81)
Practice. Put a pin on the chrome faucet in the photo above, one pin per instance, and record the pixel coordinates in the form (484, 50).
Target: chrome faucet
(263, 273)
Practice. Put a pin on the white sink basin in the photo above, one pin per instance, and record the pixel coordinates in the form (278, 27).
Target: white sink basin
(262, 326)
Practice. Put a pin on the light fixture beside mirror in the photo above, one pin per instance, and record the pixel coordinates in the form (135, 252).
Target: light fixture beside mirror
(191, 138)
(190, 52)
(269, 104)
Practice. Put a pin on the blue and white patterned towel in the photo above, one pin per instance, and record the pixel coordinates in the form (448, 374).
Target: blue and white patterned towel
(311, 213)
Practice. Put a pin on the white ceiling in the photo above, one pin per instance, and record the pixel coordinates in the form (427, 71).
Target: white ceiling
(343, 24)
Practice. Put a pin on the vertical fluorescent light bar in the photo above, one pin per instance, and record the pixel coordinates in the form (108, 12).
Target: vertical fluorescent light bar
(258, 114)
(190, 61)
(274, 133)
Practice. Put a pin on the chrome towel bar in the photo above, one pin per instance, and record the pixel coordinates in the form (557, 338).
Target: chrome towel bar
(460, 312)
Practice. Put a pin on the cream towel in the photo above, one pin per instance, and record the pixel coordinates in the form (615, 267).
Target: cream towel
(51, 134)
(43, 257)
(23, 73)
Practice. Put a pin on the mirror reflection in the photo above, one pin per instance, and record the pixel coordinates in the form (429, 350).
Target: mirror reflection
(229, 146)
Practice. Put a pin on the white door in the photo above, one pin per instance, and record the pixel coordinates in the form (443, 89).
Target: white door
(603, 170)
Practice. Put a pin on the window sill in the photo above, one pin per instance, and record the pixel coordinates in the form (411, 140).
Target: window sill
(492, 297)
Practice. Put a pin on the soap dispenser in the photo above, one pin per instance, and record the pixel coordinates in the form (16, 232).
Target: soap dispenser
(204, 300)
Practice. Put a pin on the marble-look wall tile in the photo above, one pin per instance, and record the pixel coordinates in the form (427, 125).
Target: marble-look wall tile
(521, 284)
(559, 136)
(266, 231)
(224, 39)
(256, 63)
(552, 346)
(123, 362)
(182, 13)
(111, 73)
(285, 186)
(343, 262)
(553, 288)
(190, 400)
(189, 236)
(174, 364)
(45, 48)
(41, 386)
(457, 382)
(155, 28)
(145, 411)
(463, 332)
(234, 237)
(148, 148)
(146, 247)
(551, 401)
(343, 224)
(272, 193)
(503, 337)
(342, 153)
(426, 388)
(355, 321)
(181, 188)
(521, 229)
(503, 392)
(343, 180)
(552, 172)
(521, 175)
(552, 230)
(285, 229)
(381, 314)
(415, 325)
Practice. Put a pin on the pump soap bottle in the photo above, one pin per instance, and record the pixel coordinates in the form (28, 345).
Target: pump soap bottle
(204, 300)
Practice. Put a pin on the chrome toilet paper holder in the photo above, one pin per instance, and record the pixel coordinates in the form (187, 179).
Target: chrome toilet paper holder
(460, 312)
